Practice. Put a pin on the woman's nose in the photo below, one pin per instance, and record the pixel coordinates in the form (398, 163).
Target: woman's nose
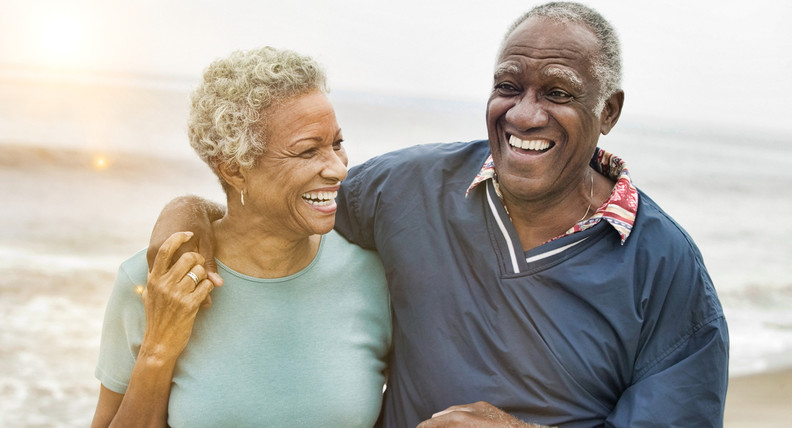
(335, 165)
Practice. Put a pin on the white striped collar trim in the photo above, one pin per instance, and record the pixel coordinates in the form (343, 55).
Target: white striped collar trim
(553, 252)
(502, 227)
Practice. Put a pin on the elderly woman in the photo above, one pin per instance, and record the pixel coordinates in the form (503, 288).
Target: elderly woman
(298, 333)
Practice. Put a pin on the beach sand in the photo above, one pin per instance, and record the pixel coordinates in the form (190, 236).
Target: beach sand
(761, 400)
(67, 224)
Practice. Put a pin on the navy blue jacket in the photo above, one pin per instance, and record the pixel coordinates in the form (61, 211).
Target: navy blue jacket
(599, 334)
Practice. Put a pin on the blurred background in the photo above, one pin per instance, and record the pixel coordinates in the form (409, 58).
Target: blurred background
(94, 100)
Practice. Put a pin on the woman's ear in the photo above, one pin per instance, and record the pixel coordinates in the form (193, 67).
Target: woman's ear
(232, 174)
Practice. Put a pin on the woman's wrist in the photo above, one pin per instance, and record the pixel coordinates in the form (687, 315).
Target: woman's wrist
(157, 356)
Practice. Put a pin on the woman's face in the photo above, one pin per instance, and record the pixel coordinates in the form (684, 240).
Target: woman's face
(293, 186)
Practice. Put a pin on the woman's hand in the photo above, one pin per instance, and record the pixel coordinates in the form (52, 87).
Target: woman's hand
(193, 214)
(171, 299)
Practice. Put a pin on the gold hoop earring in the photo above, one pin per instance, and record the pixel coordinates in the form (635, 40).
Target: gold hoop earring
(242, 197)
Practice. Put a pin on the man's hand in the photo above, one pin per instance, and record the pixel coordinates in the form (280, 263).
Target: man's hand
(476, 415)
(193, 214)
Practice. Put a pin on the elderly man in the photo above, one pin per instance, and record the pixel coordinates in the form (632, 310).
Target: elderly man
(527, 271)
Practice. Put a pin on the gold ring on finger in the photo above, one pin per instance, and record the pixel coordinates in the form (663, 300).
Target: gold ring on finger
(194, 277)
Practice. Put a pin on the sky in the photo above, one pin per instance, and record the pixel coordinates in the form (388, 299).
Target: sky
(721, 63)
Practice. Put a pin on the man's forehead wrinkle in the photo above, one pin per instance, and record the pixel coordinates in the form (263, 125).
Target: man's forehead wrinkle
(525, 48)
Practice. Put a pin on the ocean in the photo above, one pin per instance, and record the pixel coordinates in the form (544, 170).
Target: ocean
(85, 167)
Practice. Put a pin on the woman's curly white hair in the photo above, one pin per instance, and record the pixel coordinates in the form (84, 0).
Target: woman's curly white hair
(228, 122)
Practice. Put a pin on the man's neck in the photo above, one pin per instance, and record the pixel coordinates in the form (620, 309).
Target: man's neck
(537, 222)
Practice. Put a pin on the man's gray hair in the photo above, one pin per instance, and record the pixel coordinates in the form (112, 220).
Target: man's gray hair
(606, 66)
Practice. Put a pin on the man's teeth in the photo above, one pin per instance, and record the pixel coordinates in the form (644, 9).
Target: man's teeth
(529, 144)
(320, 198)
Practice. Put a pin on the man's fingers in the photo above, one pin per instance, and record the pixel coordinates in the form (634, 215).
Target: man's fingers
(452, 409)
(207, 250)
(166, 251)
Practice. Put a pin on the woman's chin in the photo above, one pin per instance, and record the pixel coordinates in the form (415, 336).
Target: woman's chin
(323, 226)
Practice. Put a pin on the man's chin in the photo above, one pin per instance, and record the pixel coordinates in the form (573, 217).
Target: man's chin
(520, 186)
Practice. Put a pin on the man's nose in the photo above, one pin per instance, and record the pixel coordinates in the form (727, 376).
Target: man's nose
(528, 112)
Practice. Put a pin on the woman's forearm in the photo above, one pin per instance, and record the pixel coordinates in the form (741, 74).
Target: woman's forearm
(145, 402)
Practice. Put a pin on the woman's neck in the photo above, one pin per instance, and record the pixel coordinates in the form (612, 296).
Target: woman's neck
(252, 251)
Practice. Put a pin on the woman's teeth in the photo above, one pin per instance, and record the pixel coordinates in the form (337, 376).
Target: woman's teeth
(320, 198)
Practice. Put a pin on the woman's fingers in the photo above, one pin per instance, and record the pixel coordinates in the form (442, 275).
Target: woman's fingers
(173, 296)
(193, 277)
(187, 262)
(166, 251)
(202, 291)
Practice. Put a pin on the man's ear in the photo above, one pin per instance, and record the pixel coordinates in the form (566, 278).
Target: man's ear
(611, 112)
(233, 175)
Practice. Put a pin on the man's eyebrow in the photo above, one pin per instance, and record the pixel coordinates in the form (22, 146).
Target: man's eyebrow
(567, 75)
(506, 68)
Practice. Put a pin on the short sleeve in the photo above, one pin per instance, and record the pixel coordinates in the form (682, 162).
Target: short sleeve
(123, 327)
(682, 372)
(357, 205)
(688, 392)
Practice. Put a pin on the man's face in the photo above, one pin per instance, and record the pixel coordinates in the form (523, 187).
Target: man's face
(540, 119)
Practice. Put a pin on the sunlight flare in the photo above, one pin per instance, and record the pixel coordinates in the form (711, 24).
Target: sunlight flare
(100, 162)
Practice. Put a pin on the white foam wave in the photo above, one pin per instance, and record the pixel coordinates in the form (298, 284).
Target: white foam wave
(21, 258)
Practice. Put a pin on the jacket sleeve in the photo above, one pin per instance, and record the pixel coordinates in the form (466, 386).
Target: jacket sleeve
(682, 367)
(357, 205)
(687, 388)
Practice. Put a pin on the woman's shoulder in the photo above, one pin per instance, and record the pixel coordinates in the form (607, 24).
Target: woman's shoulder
(130, 279)
(336, 244)
(135, 268)
(353, 258)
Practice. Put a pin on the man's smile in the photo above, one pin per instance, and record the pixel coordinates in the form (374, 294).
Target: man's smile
(534, 145)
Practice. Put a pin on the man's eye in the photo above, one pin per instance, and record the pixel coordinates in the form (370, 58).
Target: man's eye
(506, 89)
(337, 145)
(559, 95)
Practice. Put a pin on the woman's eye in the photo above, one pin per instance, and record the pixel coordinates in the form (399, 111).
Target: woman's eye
(308, 153)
